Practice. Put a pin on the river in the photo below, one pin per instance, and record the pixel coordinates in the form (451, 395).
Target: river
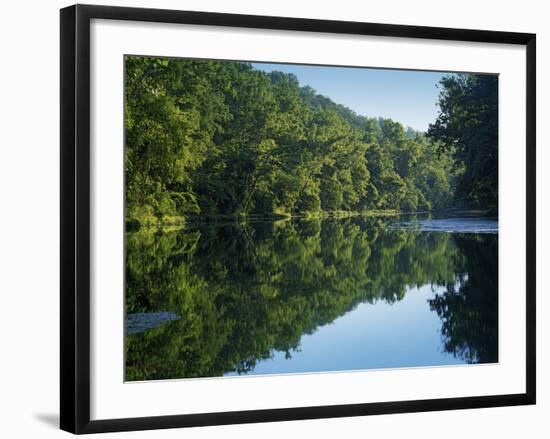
(298, 296)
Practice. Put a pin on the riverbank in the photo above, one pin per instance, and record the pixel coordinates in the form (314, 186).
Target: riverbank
(169, 223)
(172, 222)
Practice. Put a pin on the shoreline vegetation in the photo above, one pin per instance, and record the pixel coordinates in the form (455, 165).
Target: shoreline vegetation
(160, 223)
(210, 141)
(175, 223)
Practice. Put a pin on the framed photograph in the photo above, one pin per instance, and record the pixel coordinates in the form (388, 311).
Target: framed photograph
(268, 218)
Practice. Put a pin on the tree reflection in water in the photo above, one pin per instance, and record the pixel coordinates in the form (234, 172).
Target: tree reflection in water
(246, 291)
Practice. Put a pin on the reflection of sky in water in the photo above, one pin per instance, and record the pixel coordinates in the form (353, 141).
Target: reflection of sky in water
(250, 292)
(404, 334)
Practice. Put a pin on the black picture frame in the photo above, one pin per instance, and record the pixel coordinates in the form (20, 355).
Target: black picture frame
(75, 217)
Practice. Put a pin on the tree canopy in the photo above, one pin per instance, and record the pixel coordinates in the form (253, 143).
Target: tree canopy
(216, 138)
(467, 127)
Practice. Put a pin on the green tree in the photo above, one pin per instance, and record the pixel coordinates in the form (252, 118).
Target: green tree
(467, 126)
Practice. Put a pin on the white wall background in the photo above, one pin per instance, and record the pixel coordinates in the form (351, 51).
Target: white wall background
(29, 200)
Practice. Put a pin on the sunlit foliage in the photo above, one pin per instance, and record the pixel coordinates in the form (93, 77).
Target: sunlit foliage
(214, 138)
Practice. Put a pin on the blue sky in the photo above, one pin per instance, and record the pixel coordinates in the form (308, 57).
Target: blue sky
(409, 97)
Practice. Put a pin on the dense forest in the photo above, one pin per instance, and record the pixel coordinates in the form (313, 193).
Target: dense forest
(214, 138)
(245, 291)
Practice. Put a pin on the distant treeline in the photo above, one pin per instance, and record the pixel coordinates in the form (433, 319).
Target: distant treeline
(215, 138)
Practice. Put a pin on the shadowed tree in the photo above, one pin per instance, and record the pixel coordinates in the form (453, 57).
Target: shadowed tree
(467, 127)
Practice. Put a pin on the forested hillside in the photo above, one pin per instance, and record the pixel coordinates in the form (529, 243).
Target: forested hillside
(214, 138)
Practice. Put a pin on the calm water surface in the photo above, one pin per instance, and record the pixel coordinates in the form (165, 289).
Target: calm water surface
(310, 296)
